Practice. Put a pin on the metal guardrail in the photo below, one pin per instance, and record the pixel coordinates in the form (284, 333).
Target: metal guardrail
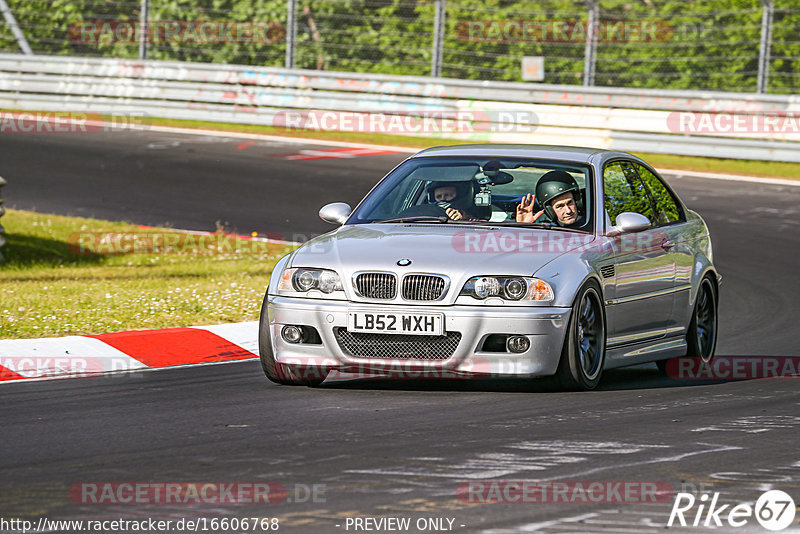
(634, 120)
(418, 86)
(2, 212)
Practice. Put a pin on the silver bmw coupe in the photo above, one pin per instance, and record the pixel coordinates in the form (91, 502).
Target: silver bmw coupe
(496, 261)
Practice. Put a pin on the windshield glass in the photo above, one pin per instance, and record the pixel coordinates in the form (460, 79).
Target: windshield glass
(482, 190)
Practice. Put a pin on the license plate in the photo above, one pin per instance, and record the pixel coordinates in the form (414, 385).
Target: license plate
(430, 324)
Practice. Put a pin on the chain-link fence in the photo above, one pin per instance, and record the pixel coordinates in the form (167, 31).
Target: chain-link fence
(728, 45)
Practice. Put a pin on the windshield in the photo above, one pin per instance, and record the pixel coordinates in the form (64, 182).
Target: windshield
(482, 190)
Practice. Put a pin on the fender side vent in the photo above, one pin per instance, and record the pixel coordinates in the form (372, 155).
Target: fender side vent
(607, 271)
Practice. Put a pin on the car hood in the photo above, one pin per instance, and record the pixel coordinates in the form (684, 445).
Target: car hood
(458, 251)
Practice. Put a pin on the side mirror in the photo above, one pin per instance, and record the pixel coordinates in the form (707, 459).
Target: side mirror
(629, 222)
(335, 213)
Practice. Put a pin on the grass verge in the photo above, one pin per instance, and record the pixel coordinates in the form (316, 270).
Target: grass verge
(70, 275)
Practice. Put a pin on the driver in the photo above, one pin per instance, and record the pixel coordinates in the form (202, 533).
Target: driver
(446, 195)
(558, 194)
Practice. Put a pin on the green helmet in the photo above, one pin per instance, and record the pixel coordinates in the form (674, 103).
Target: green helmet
(553, 184)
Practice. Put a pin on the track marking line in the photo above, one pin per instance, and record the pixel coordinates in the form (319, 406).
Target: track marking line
(730, 177)
(337, 153)
(412, 150)
(278, 138)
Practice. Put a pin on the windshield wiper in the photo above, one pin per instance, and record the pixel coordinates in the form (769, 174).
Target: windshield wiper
(547, 225)
(417, 218)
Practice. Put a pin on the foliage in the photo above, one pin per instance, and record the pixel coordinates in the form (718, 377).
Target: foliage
(699, 45)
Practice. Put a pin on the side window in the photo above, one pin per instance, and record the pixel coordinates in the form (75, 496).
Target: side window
(667, 208)
(624, 191)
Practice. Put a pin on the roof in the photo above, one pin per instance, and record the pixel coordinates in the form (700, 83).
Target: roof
(572, 153)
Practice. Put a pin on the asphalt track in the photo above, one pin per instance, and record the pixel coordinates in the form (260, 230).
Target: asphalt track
(390, 448)
(185, 181)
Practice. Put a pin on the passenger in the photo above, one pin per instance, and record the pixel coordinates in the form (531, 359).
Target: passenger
(557, 192)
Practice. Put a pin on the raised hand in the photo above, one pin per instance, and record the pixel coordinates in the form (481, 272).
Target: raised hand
(525, 210)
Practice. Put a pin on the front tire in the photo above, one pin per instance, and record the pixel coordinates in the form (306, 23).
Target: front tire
(276, 371)
(584, 352)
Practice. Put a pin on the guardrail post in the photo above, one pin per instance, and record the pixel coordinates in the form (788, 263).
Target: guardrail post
(2, 212)
(12, 23)
(291, 32)
(438, 39)
(144, 30)
(766, 42)
(590, 56)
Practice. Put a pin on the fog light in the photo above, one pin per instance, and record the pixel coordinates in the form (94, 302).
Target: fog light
(292, 334)
(518, 344)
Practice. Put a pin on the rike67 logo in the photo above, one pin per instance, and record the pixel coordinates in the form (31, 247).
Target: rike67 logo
(774, 510)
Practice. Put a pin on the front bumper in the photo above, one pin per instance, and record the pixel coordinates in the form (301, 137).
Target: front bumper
(545, 327)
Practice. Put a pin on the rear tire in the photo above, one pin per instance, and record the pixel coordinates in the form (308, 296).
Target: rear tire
(584, 352)
(702, 334)
(276, 371)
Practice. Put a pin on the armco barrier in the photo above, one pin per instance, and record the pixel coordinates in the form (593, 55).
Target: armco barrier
(636, 120)
(2, 212)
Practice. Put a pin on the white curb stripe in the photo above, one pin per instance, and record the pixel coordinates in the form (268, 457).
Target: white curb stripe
(58, 357)
(243, 334)
(81, 356)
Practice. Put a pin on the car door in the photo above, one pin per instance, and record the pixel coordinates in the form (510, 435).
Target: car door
(640, 304)
(679, 238)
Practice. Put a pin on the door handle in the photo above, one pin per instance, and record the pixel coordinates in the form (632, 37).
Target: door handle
(667, 244)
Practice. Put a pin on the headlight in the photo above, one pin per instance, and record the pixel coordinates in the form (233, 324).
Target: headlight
(515, 288)
(508, 288)
(302, 280)
(485, 287)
